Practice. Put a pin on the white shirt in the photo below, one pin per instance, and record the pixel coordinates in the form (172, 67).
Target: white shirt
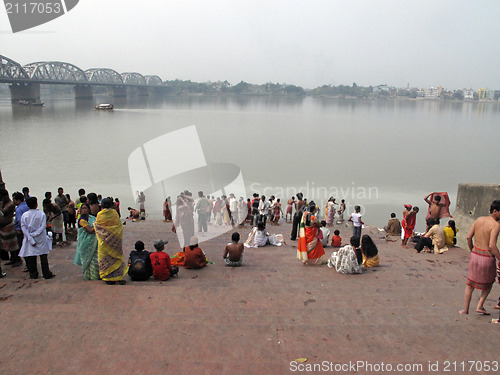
(356, 219)
(261, 238)
(326, 236)
(233, 204)
(36, 241)
(264, 207)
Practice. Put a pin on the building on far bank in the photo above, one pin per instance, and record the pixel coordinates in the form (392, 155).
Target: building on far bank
(433, 92)
(481, 94)
(468, 94)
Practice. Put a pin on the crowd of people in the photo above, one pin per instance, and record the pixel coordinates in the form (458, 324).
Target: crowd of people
(28, 233)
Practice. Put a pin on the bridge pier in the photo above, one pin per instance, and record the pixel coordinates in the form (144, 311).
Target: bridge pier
(142, 91)
(155, 90)
(25, 91)
(119, 91)
(83, 91)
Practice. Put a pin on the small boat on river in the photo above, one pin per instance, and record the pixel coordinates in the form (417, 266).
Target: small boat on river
(29, 102)
(104, 107)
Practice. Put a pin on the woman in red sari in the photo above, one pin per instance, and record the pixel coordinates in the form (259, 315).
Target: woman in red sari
(408, 223)
(166, 210)
(310, 249)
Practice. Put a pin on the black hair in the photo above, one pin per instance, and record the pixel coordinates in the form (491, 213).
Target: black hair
(437, 198)
(451, 223)
(18, 196)
(354, 241)
(431, 221)
(48, 194)
(107, 202)
(4, 193)
(32, 202)
(393, 215)
(235, 237)
(92, 198)
(261, 226)
(81, 192)
(323, 223)
(336, 232)
(86, 205)
(495, 205)
(139, 245)
(83, 199)
(368, 247)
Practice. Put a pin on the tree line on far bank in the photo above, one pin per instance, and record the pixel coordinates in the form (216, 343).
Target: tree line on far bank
(180, 87)
(186, 87)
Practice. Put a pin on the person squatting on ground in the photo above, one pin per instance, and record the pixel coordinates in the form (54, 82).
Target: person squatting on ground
(233, 253)
(370, 252)
(162, 268)
(194, 258)
(433, 239)
(139, 263)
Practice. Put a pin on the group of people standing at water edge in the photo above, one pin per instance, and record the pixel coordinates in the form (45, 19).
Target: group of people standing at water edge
(27, 232)
(99, 240)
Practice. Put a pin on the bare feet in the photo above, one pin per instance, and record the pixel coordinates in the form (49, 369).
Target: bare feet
(482, 312)
(463, 312)
(496, 307)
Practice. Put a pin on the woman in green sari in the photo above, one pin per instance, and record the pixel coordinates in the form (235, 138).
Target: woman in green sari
(86, 246)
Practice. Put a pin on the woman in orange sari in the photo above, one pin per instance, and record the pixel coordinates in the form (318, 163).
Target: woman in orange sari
(310, 250)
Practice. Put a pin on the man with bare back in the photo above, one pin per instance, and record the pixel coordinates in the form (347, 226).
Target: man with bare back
(233, 253)
(435, 205)
(484, 250)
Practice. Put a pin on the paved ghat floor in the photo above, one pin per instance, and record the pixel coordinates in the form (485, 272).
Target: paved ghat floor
(256, 319)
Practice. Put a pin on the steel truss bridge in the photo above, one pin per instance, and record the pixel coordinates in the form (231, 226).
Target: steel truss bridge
(25, 80)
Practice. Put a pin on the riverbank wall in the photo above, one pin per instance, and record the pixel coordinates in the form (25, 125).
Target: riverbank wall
(473, 201)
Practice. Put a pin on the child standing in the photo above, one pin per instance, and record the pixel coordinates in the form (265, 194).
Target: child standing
(355, 219)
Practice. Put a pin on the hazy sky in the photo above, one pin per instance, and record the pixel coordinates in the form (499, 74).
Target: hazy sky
(452, 43)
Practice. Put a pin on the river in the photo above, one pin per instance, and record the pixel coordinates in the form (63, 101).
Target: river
(378, 154)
